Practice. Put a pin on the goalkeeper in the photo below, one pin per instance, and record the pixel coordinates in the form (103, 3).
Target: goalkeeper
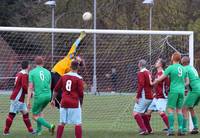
(63, 66)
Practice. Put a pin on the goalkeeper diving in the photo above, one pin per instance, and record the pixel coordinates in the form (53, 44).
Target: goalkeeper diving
(63, 66)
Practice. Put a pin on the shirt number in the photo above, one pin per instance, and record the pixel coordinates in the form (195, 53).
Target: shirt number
(180, 72)
(42, 75)
(68, 85)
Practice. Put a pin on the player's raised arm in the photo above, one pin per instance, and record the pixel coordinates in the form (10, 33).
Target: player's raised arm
(63, 66)
(76, 44)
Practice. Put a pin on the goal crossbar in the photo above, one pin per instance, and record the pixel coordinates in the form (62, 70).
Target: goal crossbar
(96, 31)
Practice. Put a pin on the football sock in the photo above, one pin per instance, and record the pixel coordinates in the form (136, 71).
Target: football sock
(185, 123)
(180, 121)
(39, 127)
(195, 121)
(43, 122)
(171, 121)
(140, 122)
(60, 129)
(78, 131)
(165, 119)
(146, 119)
(9, 121)
(27, 122)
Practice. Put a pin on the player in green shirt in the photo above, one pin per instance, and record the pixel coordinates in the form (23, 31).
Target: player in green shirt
(177, 77)
(193, 96)
(39, 86)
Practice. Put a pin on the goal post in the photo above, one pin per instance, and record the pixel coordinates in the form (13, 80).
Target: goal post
(112, 69)
(191, 48)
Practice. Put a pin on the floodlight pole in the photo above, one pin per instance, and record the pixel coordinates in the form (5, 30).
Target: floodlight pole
(150, 28)
(52, 34)
(52, 4)
(94, 86)
(150, 3)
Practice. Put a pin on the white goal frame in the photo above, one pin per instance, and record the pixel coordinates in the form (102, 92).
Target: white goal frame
(101, 31)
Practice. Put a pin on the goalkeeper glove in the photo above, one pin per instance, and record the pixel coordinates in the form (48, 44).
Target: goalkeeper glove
(82, 35)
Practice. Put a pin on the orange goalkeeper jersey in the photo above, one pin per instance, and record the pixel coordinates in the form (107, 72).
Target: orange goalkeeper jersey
(63, 66)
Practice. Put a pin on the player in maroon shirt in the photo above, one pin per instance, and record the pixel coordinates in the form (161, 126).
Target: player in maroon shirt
(17, 99)
(144, 96)
(159, 102)
(71, 101)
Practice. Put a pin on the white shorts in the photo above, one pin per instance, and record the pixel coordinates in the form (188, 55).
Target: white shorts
(17, 106)
(142, 105)
(158, 105)
(71, 116)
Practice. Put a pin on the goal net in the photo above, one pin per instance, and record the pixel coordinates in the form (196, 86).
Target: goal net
(111, 58)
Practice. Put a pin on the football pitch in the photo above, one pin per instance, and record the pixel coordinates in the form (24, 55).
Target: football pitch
(104, 116)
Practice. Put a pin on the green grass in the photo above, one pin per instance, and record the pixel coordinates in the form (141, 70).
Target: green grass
(103, 117)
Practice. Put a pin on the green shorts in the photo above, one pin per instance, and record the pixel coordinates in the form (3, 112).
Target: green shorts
(39, 104)
(175, 100)
(192, 99)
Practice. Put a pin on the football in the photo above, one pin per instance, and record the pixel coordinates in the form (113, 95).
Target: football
(87, 16)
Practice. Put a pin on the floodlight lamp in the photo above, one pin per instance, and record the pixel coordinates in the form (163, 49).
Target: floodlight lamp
(50, 3)
(148, 2)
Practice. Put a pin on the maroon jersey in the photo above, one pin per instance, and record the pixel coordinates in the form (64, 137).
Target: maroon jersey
(162, 87)
(143, 84)
(71, 85)
(20, 87)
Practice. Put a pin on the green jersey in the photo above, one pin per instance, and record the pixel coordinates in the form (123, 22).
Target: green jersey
(177, 75)
(193, 77)
(41, 79)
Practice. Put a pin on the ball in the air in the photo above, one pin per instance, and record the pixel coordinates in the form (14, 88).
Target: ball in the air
(87, 16)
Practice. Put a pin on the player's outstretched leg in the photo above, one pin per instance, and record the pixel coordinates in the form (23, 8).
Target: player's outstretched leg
(27, 122)
(39, 128)
(60, 130)
(46, 124)
(8, 124)
(78, 131)
(42, 122)
(37, 109)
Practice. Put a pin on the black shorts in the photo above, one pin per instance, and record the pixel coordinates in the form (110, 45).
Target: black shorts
(54, 79)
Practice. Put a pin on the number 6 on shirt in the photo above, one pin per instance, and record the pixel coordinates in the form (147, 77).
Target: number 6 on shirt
(42, 75)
